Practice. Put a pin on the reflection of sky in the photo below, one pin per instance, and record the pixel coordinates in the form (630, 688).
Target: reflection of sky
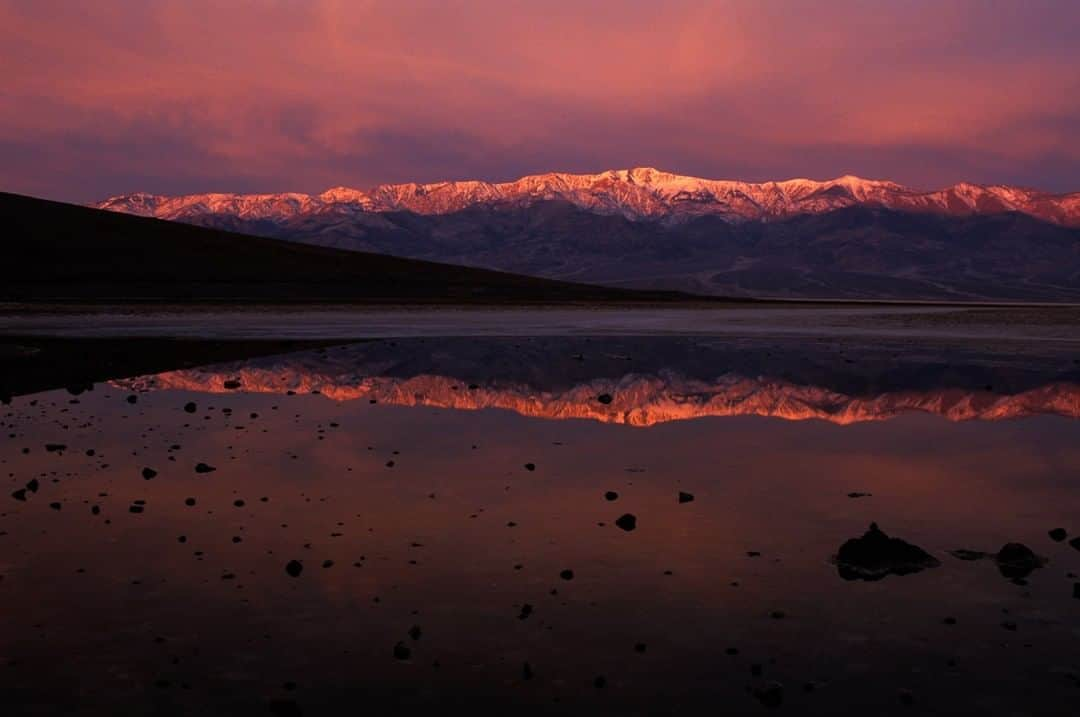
(770, 486)
(182, 96)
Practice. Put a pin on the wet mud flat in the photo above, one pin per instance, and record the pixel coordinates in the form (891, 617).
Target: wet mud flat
(291, 533)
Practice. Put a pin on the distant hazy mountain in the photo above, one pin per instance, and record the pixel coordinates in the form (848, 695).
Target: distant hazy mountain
(848, 237)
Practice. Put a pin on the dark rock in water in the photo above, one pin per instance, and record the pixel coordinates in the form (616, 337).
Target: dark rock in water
(600, 682)
(132, 398)
(148, 473)
(55, 447)
(604, 398)
(526, 610)
(190, 407)
(232, 384)
(770, 694)
(876, 555)
(530, 466)
(1075, 543)
(685, 497)
(856, 494)
(1016, 560)
(906, 698)
(567, 575)
(611, 495)
(640, 647)
(962, 554)
(627, 522)
(1058, 535)
(55, 506)
(204, 468)
(294, 568)
(1076, 591)
(32, 485)
(402, 651)
(526, 671)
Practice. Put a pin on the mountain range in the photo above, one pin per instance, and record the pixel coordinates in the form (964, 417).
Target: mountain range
(643, 228)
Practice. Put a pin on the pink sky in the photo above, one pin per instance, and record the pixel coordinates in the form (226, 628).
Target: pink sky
(105, 97)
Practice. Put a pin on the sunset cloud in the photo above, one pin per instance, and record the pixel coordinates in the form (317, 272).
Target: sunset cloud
(190, 95)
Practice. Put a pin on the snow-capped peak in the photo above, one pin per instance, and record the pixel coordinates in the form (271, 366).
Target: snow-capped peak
(637, 193)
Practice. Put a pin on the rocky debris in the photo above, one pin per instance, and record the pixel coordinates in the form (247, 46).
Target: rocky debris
(204, 468)
(567, 575)
(402, 651)
(190, 407)
(231, 384)
(1058, 535)
(876, 555)
(530, 466)
(685, 497)
(294, 568)
(611, 495)
(149, 473)
(604, 398)
(627, 522)
(857, 494)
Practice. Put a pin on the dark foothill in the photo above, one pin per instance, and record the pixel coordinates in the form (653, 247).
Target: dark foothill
(530, 466)
(770, 694)
(148, 473)
(294, 568)
(190, 407)
(402, 651)
(627, 522)
(876, 555)
(604, 398)
(611, 495)
(232, 384)
(1016, 560)
(685, 497)
(567, 575)
(204, 468)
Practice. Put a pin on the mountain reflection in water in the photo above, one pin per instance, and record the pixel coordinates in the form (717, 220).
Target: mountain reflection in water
(643, 381)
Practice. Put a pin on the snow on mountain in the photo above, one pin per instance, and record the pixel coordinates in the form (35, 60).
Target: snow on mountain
(642, 193)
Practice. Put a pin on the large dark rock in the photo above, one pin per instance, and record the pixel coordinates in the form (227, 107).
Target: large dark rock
(1016, 560)
(876, 555)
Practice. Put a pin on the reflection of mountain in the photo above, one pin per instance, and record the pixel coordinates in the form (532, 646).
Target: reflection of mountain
(651, 392)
